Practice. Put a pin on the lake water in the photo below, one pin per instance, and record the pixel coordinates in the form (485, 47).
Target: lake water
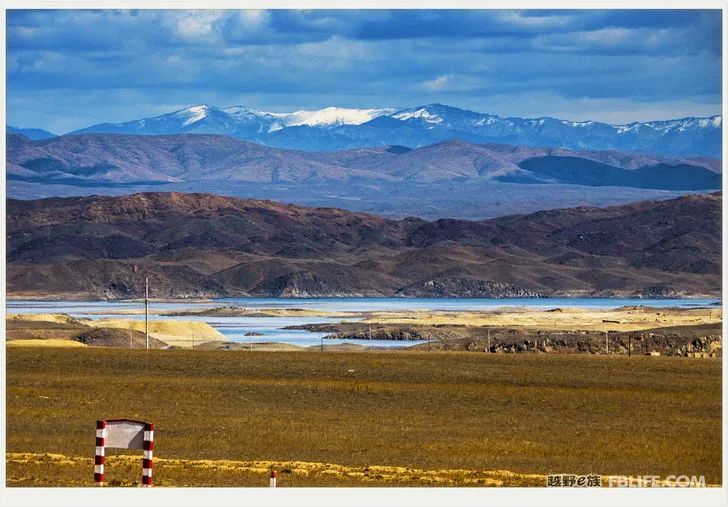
(271, 329)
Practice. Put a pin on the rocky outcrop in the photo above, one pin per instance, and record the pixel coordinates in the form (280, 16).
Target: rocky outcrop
(466, 287)
(683, 341)
(302, 284)
(660, 292)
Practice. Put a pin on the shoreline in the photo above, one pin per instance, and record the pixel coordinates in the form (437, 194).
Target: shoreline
(224, 299)
(640, 329)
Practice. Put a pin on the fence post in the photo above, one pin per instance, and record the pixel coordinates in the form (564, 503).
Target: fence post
(273, 476)
(148, 455)
(100, 458)
(629, 350)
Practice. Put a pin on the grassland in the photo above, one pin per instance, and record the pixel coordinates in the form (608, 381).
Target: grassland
(561, 319)
(224, 417)
(594, 319)
(51, 342)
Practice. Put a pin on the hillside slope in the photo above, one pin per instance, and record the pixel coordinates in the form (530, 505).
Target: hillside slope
(207, 245)
(113, 159)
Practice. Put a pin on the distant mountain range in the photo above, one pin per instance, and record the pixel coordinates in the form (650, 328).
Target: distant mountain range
(338, 128)
(448, 179)
(113, 159)
(32, 134)
(201, 245)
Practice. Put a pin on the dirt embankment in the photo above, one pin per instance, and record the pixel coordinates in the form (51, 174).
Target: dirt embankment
(179, 333)
(128, 333)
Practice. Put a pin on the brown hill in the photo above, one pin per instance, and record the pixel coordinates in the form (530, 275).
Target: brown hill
(207, 245)
(121, 159)
(114, 159)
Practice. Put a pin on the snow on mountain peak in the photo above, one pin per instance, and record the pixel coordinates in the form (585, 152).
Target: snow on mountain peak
(666, 126)
(192, 114)
(578, 124)
(238, 111)
(423, 125)
(329, 116)
(421, 113)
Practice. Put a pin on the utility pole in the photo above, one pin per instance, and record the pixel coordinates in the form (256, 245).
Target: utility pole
(146, 309)
(606, 339)
(629, 351)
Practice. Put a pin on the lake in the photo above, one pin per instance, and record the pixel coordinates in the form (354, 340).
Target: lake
(271, 329)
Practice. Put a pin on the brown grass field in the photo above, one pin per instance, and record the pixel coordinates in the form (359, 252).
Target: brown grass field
(403, 418)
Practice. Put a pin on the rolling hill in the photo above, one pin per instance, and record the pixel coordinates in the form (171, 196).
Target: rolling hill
(30, 133)
(452, 178)
(206, 245)
(113, 159)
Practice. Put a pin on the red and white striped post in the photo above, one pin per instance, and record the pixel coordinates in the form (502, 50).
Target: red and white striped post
(124, 434)
(273, 476)
(148, 455)
(100, 458)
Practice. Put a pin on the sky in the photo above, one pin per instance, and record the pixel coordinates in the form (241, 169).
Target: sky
(68, 69)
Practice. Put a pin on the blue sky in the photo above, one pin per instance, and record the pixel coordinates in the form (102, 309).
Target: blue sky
(67, 69)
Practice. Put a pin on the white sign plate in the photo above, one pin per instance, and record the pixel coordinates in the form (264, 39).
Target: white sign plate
(124, 434)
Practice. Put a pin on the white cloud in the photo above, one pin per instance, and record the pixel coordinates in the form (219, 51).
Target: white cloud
(253, 19)
(197, 25)
(246, 25)
(279, 60)
(437, 84)
(449, 84)
(519, 19)
(333, 53)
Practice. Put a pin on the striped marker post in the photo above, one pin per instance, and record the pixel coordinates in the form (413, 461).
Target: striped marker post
(148, 455)
(100, 459)
(124, 434)
(273, 476)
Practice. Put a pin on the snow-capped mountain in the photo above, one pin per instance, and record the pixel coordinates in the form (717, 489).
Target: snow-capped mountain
(335, 128)
(329, 117)
(238, 121)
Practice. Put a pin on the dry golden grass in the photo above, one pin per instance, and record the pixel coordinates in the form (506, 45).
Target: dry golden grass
(185, 472)
(168, 327)
(180, 333)
(429, 412)
(51, 342)
(56, 318)
(173, 332)
(620, 319)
